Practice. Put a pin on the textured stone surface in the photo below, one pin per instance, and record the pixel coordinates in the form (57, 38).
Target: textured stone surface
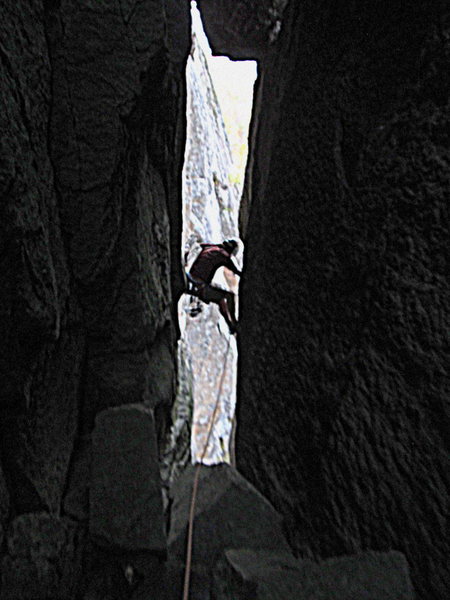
(125, 504)
(34, 276)
(167, 583)
(89, 184)
(110, 150)
(230, 513)
(92, 113)
(37, 444)
(259, 575)
(242, 29)
(104, 576)
(343, 378)
(40, 352)
(76, 497)
(177, 450)
(344, 371)
(42, 562)
(4, 499)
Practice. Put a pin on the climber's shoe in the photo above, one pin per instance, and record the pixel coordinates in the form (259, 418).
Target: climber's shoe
(233, 329)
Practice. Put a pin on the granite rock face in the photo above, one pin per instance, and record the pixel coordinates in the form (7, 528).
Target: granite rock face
(125, 504)
(4, 501)
(229, 513)
(242, 29)
(43, 559)
(92, 115)
(343, 385)
(343, 376)
(41, 349)
(258, 575)
(76, 494)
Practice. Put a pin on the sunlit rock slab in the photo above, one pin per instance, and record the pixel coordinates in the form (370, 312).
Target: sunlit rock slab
(210, 213)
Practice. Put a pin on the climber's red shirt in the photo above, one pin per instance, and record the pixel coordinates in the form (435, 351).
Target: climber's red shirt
(209, 260)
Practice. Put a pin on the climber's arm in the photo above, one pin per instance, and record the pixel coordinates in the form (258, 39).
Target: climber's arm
(233, 268)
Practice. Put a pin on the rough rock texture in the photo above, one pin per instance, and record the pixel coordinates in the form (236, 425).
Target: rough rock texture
(259, 575)
(41, 350)
(242, 28)
(125, 504)
(344, 370)
(76, 496)
(92, 118)
(230, 513)
(168, 583)
(43, 560)
(4, 501)
(177, 449)
(116, 202)
(103, 576)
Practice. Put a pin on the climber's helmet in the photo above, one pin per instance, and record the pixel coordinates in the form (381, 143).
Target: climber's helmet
(230, 246)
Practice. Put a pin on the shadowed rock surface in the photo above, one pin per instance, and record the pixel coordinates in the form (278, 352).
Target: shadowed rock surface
(229, 513)
(92, 116)
(259, 575)
(4, 503)
(344, 351)
(343, 391)
(125, 503)
(241, 29)
(43, 559)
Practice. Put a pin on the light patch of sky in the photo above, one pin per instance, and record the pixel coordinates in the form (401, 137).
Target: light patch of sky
(233, 82)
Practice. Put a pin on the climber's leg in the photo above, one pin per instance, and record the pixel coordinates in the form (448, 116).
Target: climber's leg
(231, 307)
(223, 308)
(225, 301)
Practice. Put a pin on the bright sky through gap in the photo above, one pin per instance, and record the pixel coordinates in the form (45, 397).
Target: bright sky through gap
(233, 82)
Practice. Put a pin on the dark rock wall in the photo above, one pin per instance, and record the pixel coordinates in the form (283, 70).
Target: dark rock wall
(241, 29)
(344, 355)
(342, 415)
(92, 117)
(34, 297)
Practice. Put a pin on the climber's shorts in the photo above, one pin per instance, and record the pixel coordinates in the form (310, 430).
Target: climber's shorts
(212, 293)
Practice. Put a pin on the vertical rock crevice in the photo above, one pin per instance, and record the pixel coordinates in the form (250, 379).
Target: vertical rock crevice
(211, 207)
(342, 415)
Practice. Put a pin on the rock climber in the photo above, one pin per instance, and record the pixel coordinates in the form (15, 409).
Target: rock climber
(211, 257)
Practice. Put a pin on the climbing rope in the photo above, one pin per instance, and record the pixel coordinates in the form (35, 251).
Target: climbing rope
(187, 573)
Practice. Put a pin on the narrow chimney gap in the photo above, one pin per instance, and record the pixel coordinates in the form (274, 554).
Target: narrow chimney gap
(219, 104)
